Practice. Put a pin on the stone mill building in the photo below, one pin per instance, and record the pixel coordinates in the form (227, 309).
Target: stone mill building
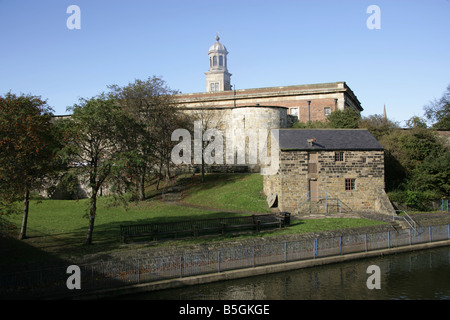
(328, 170)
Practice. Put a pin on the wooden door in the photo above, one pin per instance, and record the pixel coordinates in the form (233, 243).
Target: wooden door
(314, 190)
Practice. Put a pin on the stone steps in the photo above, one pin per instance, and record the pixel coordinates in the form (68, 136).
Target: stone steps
(400, 225)
(173, 193)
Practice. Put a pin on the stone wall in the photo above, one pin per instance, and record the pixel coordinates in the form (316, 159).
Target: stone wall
(297, 172)
(236, 123)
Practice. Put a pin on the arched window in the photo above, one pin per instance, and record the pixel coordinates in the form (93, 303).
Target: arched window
(220, 61)
(214, 61)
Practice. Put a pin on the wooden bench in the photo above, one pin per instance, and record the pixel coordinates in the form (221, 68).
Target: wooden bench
(195, 228)
(269, 221)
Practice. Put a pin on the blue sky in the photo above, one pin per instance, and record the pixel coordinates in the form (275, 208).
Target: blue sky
(404, 65)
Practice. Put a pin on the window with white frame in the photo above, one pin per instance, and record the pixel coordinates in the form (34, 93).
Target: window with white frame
(214, 86)
(293, 112)
(327, 111)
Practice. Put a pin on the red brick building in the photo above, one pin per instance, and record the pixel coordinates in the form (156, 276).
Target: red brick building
(306, 102)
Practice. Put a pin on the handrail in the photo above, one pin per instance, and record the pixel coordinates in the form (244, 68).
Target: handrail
(410, 221)
(298, 205)
(327, 196)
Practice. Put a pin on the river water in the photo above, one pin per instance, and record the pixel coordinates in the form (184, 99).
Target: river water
(418, 275)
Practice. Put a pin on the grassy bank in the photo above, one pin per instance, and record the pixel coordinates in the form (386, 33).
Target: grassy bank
(57, 228)
(229, 192)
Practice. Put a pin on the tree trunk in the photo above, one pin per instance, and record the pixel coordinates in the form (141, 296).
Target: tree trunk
(157, 182)
(92, 213)
(141, 190)
(203, 168)
(26, 204)
(159, 176)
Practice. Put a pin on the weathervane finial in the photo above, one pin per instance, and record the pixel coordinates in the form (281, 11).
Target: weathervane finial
(217, 36)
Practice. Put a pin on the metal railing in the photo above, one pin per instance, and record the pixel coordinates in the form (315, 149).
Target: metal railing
(407, 218)
(324, 196)
(52, 282)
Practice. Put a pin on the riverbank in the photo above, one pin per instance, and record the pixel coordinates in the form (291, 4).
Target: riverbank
(139, 250)
(252, 272)
(256, 270)
(414, 275)
(140, 267)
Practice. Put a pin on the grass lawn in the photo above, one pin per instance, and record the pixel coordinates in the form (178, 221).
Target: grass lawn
(57, 228)
(232, 192)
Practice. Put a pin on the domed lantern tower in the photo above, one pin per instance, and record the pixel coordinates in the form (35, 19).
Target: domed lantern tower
(218, 77)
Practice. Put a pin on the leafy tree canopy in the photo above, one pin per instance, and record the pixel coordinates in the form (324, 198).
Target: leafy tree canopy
(438, 111)
(28, 148)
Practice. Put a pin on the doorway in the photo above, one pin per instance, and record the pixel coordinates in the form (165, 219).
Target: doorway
(314, 190)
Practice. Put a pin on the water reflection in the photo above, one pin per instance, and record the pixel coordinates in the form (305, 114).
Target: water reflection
(415, 275)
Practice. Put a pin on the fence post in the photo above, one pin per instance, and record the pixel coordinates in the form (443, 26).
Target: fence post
(285, 251)
(429, 233)
(448, 231)
(309, 203)
(389, 239)
(442, 205)
(139, 271)
(365, 242)
(181, 266)
(253, 256)
(315, 248)
(340, 244)
(218, 260)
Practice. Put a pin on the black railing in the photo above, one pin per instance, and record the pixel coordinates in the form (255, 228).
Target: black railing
(195, 228)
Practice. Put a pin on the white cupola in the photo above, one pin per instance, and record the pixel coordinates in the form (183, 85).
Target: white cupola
(218, 77)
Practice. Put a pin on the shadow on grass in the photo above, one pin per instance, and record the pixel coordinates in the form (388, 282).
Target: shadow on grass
(216, 180)
(44, 275)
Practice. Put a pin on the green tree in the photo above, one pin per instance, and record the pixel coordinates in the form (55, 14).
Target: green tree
(438, 111)
(344, 119)
(28, 148)
(432, 175)
(416, 122)
(91, 149)
(310, 125)
(378, 125)
(150, 104)
(405, 151)
(339, 119)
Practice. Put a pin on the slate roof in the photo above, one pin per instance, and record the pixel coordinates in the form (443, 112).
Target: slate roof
(327, 139)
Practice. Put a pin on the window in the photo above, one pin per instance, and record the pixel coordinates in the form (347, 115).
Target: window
(220, 61)
(214, 86)
(327, 111)
(294, 112)
(350, 184)
(339, 156)
(214, 61)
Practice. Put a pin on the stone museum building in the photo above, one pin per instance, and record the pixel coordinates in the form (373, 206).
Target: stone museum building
(319, 170)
